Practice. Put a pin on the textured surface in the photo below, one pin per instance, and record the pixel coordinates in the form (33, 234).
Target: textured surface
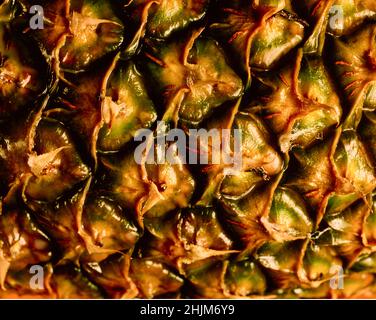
(300, 213)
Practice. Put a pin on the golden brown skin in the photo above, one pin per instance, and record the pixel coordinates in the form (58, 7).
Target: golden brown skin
(81, 218)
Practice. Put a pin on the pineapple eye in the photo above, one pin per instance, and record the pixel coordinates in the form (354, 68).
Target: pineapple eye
(204, 85)
(256, 35)
(127, 108)
(132, 190)
(22, 243)
(190, 235)
(107, 224)
(88, 32)
(343, 16)
(69, 282)
(21, 78)
(56, 166)
(154, 279)
(166, 17)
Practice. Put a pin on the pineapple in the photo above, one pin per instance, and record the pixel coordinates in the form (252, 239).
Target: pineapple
(296, 220)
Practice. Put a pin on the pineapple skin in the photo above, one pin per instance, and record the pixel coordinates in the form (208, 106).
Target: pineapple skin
(298, 218)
